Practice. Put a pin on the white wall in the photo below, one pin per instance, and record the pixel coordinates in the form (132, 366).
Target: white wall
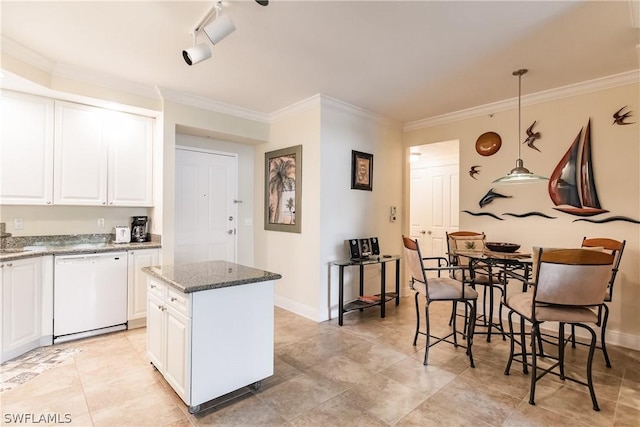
(56, 220)
(331, 212)
(246, 169)
(616, 155)
(294, 255)
(348, 213)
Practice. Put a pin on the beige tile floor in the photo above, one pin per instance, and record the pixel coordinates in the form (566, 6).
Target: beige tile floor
(365, 373)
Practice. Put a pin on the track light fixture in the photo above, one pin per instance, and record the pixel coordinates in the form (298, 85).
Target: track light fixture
(217, 30)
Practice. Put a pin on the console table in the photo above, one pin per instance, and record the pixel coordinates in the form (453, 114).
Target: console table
(384, 295)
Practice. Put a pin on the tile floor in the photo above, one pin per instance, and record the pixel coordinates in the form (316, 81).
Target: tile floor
(365, 373)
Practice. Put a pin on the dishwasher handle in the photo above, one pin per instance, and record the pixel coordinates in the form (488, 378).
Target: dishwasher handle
(90, 258)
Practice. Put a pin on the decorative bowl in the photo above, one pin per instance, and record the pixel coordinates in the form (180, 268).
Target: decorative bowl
(502, 247)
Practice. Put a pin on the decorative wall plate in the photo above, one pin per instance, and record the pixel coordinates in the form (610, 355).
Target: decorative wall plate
(488, 143)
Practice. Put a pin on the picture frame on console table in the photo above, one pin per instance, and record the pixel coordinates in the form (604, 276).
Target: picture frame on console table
(283, 190)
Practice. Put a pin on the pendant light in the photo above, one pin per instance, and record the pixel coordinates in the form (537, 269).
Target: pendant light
(520, 174)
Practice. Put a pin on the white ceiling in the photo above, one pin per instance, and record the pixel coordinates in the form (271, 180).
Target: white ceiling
(405, 60)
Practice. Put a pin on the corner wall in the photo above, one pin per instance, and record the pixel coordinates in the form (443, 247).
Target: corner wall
(294, 255)
(348, 213)
(331, 212)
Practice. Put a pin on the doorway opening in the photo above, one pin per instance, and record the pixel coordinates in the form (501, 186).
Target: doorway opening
(434, 195)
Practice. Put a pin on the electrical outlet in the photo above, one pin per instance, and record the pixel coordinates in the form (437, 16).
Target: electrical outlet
(100, 222)
(18, 224)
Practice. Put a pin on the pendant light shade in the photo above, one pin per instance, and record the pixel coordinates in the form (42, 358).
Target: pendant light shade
(520, 174)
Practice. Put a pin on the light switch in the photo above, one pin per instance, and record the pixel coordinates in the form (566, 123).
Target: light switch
(100, 222)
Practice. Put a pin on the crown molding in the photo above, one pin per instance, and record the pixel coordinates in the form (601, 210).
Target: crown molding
(324, 101)
(26, 55)
(296, 108)
(338, 105)
(211, 105)
(622, 79)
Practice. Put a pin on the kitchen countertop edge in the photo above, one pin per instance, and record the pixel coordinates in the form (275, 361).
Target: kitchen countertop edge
(71, 250)
(191, 288)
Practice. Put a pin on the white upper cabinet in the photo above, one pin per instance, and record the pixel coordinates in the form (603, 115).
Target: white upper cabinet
(26, 149)
(80, 155)
(130, 172)
(102, 157)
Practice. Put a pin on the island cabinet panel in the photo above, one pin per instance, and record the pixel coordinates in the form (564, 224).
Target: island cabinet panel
(177, 370)
(169, 338)
(155, 332)
(210, 328)
(232, 339)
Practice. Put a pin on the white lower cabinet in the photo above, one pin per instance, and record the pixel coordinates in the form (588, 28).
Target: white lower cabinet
(169, 337)
(137, 284)
(21, 301)
(212, 342)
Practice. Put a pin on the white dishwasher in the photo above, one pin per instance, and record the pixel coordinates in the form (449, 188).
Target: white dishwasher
(90, 295)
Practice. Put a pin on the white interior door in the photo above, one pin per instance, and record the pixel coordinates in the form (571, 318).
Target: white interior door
(206, 215)
(434, 200)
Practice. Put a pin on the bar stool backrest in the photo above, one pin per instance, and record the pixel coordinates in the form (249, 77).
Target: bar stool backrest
(467, 241)
(613, 247)
(572, 277)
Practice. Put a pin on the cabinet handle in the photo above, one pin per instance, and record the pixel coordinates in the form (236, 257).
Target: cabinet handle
(110, 203)
(49, 202)
(152, 286)
(173, 299)
(10, 265)
(1, 265)
(104, 203)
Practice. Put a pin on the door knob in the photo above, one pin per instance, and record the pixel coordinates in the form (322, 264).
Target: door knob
(422, 231)
(429, 232)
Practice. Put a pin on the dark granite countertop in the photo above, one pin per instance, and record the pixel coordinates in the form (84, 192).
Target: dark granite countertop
(202, 276)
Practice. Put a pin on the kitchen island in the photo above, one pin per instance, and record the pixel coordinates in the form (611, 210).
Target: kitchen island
(210, 327)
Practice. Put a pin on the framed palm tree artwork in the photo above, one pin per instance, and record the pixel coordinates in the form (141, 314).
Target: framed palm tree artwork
(283, 189)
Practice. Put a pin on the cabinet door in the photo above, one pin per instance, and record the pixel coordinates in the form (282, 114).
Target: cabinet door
(130, 141)
(155, 332)
(80, 155)
(137, 281)
(177, 368)
(21, 306)
(26, 149)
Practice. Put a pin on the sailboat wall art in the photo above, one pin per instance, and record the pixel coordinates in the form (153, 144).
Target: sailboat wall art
(572, 185)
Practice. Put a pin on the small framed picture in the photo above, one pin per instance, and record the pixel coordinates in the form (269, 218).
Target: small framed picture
(361, 171)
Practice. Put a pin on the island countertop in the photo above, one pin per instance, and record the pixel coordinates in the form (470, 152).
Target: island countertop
(202, 276)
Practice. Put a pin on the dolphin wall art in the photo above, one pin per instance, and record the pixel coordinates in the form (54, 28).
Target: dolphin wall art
(488, 198)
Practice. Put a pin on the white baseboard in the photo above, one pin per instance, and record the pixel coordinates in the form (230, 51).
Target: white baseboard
(140, 322)
(298, 308)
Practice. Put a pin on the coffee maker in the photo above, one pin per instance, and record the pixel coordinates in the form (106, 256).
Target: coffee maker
(139, 228)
